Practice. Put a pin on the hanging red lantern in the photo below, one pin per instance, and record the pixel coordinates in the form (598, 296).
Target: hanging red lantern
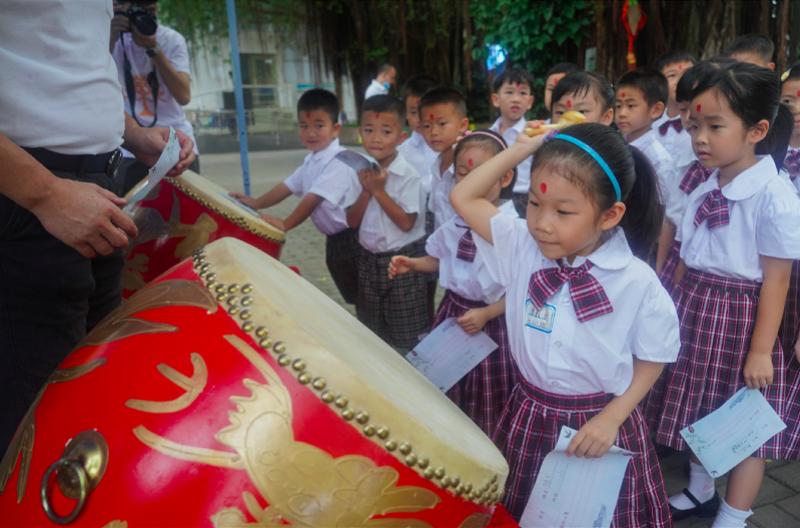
(634, 19)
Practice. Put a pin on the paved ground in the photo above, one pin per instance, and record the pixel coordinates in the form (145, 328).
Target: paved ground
(778, 504)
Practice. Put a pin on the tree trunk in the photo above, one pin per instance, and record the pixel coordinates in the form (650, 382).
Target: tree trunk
(783, 33)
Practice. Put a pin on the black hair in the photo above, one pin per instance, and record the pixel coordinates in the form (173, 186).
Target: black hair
(753, 93)
(319, 99)
(561, 67)
(491, 141)
(761, 45)
(580, 82)
(384, 68)
(417, 85)
(513, 76)
(444, 95)
(674, 57)
(652, 83)
(384, 103)
(644, 211)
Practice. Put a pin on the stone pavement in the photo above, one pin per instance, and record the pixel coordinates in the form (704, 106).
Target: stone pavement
(778, 503)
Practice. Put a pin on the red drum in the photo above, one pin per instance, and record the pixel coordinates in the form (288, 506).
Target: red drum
(181, 215)
(230, 392)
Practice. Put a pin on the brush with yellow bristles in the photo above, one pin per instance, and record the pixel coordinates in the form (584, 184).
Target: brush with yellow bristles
(570, 118)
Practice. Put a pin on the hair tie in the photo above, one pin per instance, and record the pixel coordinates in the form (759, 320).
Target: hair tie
(497, 138)
(599, 159)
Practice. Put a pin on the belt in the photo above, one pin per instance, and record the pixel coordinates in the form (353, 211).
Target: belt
(107, 162)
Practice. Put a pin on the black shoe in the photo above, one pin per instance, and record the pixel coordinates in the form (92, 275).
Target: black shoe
(701, 509)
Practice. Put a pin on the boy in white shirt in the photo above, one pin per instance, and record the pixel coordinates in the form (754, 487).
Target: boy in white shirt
(390, 212)
(327, 186)
(513, 97)
(671, 133)
(414, 149)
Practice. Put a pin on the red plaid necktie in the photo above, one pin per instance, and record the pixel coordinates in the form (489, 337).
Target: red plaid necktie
(694, 176)
(713, 210)
(674, 123)
(792, 163)
(588, 297)
(466, 247)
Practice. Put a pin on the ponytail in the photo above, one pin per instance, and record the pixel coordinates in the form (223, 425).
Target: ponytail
(644, 209)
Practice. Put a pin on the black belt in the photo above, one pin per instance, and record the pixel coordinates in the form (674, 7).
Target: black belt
(106, 163)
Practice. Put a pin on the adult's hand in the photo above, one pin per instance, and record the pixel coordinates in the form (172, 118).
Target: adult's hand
(85, 216)
(148, 143)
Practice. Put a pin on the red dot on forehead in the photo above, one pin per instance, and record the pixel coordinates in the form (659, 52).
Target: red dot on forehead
(622, 94)
(470, 163)
(569, 103)
(698, 107)
(430, 116)
(543, 187)
(798, 93)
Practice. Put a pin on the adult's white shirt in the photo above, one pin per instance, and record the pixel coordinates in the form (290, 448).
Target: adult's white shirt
(375, 88)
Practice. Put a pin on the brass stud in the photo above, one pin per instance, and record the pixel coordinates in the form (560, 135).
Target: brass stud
(405, 448)
(390, 445)
(494, 487)
(423, 463)
(318, 383)
(473, 495)
(369, 430)
(210, 282)
(446, 482)
(261, 332)
(247, 288)
(362, 417)
(340, 402)
(468, 487)
(428, 473)
(458, 491)
(438, 472)
(233, 288)
(284, 360)
(248, 326)
(348, 414)
(221, 297)
(455, 480)
(201, 274)
(327, 396)
(233, 300)
(205, 266)
(411, 460)
(211, 276)
(462, 489)
(233, 310)
(247, 301)
(383, 432)
(279, 347)
(304, 378)
(299, 365)
(265, 343)
(220, 288)
(245, 314)
(494, 479)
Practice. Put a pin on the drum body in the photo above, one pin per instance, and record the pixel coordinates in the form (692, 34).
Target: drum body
(181, 215)
(230, 392)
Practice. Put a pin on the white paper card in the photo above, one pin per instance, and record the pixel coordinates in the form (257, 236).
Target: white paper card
(448, 353)
(354, 160)
(168, 159)
(733, 432)
(576, 492)
(240, 204)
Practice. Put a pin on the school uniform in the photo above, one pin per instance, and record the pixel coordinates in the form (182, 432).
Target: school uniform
(674, 138)
(395, 309)
(522, 185)
(338, 186)
(723, 233)
(482, 394)
(574, 344)
(442, 183)
(417, 152)
(790, 326)
(660, 159)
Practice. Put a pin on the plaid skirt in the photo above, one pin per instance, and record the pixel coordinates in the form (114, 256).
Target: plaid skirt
(342, 252)
(717, 317)
(667, 274)
(791, 312)
(792, 418)
(483, 393)
(529, 430)
(395, 309)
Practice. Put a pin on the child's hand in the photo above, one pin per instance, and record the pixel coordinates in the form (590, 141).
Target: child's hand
(758, 370)
(531, 144)
(273, 220)
(473, 320)
(373, 180)
(595, 438)
(247, 200)
(400, 265)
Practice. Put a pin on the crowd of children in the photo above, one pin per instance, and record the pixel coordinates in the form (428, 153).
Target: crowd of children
(633, 270)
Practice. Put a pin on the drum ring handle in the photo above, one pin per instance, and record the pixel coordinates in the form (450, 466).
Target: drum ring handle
(83, 482)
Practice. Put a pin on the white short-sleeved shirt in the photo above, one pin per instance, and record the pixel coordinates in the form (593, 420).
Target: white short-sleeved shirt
(796, 180)
(439, 200)
(523, 182)
(375, 88)
(470, 280)
(58, 83)
(378, 234)
(661, 160)
(555, 351)
(678, 144)
(417, 152)
(676, 200)
(336, 183)
(170, 113)
(764, 215)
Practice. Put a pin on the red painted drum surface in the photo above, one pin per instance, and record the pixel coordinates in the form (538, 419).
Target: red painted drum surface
(181, 215)
(230, 392)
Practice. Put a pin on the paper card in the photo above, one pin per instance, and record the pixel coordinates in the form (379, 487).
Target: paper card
(354, 160)
(573, 491)
(240, 204)
(733, 432)
(448, 353)
(168, 159)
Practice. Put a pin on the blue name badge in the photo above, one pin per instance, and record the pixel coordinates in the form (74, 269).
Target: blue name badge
(542, 319)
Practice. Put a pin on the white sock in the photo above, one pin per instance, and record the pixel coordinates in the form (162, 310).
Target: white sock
(701, 485)
(730, 517)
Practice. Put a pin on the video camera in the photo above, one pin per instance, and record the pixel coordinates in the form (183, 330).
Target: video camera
(140, 18)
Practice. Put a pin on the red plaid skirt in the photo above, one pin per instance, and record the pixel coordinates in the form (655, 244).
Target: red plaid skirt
(791, 313)
(529, 430)
(670, 265)
(483, 393)
(717, 316)
(792, 418)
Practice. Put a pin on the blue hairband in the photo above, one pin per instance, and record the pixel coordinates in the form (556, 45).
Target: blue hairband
(600, 161)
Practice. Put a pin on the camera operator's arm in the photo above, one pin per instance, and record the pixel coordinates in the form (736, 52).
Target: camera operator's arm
(178, 82)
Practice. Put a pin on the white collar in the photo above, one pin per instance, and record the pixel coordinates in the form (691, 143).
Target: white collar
(644, 140)
(399, 165)
(614, 254)
(438, 163)
(746, 183)
(519, 126)
(325, 154)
